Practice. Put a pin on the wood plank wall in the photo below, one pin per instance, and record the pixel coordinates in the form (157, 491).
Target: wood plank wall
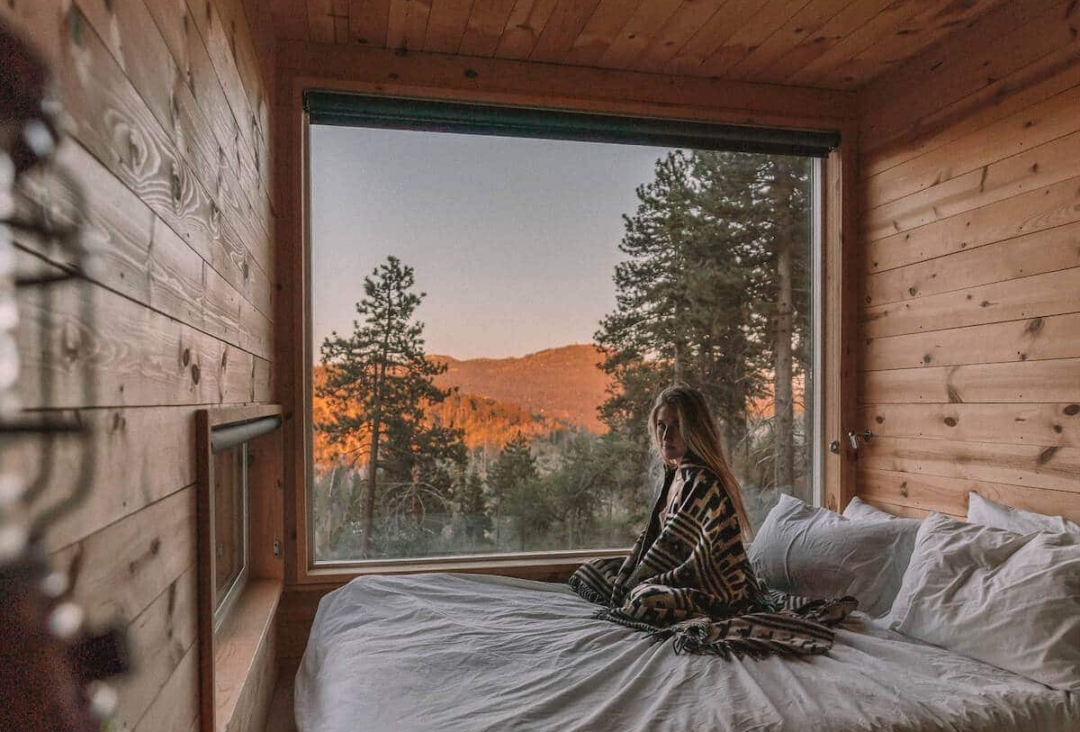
(970, 310)
(168, 106)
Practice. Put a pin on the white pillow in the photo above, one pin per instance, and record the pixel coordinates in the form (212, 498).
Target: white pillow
(816, 553)
(862, 511)
(1006, 599)
(985, 512)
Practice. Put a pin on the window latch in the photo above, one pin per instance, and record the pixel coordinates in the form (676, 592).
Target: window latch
(853, 438)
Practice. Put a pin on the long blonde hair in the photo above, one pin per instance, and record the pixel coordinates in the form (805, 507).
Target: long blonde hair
(698, 429)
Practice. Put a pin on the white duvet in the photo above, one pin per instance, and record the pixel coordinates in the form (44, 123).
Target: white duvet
(469, 653)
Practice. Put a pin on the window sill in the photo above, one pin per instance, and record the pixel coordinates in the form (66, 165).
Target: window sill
(244, 656)
(546, 567)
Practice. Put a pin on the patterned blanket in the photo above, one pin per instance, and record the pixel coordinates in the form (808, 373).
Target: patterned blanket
(690, 580)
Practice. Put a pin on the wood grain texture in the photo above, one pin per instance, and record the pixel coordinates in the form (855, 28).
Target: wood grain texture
(998, 383)
(176, 707)
(689, 17)
(485, 26)
(280, 717)
(1027, 129)
(815, 45)
(167, 106)
(1037, 210)
(118, 571)
(774, 14)
(1025, 256)
(763, 57)
(138, 357)
(716, 31)
(1012, 36)
(889, 21)
(523, 28)
(143, 455)
(644, 24)
(1022, 466)
(950, 495)
(159, 639)
(407, 24)
(1029, 423)
(245, 662)
(1036, 339)
(446, 25)
(970, 366)
(936, 22)
(1037, 296)
(496, 80)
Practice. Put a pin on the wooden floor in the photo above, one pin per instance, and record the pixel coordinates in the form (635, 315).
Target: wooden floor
(280, 718)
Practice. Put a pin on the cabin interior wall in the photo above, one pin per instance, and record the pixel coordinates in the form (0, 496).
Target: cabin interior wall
(168, 106)
(969, 365)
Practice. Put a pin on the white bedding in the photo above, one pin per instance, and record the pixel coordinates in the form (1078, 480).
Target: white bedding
(471, 653)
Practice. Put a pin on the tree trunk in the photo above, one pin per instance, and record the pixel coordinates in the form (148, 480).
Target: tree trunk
(784, 408)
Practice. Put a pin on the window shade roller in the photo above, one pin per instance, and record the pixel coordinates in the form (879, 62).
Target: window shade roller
(231, 435)
(362, 110)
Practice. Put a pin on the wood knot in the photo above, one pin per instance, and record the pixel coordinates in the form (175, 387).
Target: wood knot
(927, 358)
(185, 357)
(195, 372)
(1072, 410)
(912, 291)
(174, 180)
(904, 489)
(951, 421)
(471, 74)
(1058, 429)
(155, 546)
(879, 419)
(1034, 325)
(1046, 455)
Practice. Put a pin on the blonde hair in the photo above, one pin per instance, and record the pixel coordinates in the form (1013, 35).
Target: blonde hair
(698, 429)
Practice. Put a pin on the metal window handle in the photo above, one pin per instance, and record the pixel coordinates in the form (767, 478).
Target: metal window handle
(853, 438)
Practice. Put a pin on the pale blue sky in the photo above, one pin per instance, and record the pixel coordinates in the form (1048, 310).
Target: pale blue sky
(514, 240)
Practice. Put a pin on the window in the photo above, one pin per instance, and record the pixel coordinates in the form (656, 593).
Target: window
(492, 314)
(230, 526)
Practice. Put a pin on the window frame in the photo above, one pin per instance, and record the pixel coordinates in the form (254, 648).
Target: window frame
(396, 75)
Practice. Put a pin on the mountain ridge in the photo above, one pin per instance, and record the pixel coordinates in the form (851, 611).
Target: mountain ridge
(562, 382)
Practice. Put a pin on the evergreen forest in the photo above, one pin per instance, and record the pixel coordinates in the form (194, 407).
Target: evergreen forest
(713, 289)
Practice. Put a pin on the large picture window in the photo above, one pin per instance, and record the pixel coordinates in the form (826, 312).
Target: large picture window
(493, 314)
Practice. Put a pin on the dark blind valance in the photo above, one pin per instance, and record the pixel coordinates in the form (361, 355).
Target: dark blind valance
(361, 110)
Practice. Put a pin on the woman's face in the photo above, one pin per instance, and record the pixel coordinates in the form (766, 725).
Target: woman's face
(672, 445)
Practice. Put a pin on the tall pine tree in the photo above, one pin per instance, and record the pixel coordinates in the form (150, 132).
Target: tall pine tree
(377, 381)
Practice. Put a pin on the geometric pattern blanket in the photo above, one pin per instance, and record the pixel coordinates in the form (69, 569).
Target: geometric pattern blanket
(690, 580)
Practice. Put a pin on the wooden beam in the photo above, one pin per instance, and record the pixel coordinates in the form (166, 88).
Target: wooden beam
(567, 87)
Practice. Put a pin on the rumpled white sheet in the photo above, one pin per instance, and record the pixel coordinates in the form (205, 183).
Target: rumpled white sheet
(471, 653)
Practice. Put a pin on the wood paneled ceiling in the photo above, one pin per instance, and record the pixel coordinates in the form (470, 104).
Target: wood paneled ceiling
(836, 44)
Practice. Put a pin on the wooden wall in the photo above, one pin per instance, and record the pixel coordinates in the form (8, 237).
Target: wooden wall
(168, 119)
(970, 310)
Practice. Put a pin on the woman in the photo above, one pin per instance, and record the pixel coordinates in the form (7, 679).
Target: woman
(688, 576)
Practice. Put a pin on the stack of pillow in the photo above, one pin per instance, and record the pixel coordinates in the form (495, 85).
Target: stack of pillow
(1003, 588)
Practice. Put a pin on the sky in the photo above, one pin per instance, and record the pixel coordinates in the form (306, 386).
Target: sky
(514, 240)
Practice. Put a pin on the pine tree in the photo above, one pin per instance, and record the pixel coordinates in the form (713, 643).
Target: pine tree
(377, 382)
(508, 478)
(644, 344)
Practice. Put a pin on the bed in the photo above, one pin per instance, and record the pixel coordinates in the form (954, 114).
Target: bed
(469, 653)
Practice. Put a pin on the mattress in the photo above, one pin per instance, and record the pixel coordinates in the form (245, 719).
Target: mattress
(469, 653)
